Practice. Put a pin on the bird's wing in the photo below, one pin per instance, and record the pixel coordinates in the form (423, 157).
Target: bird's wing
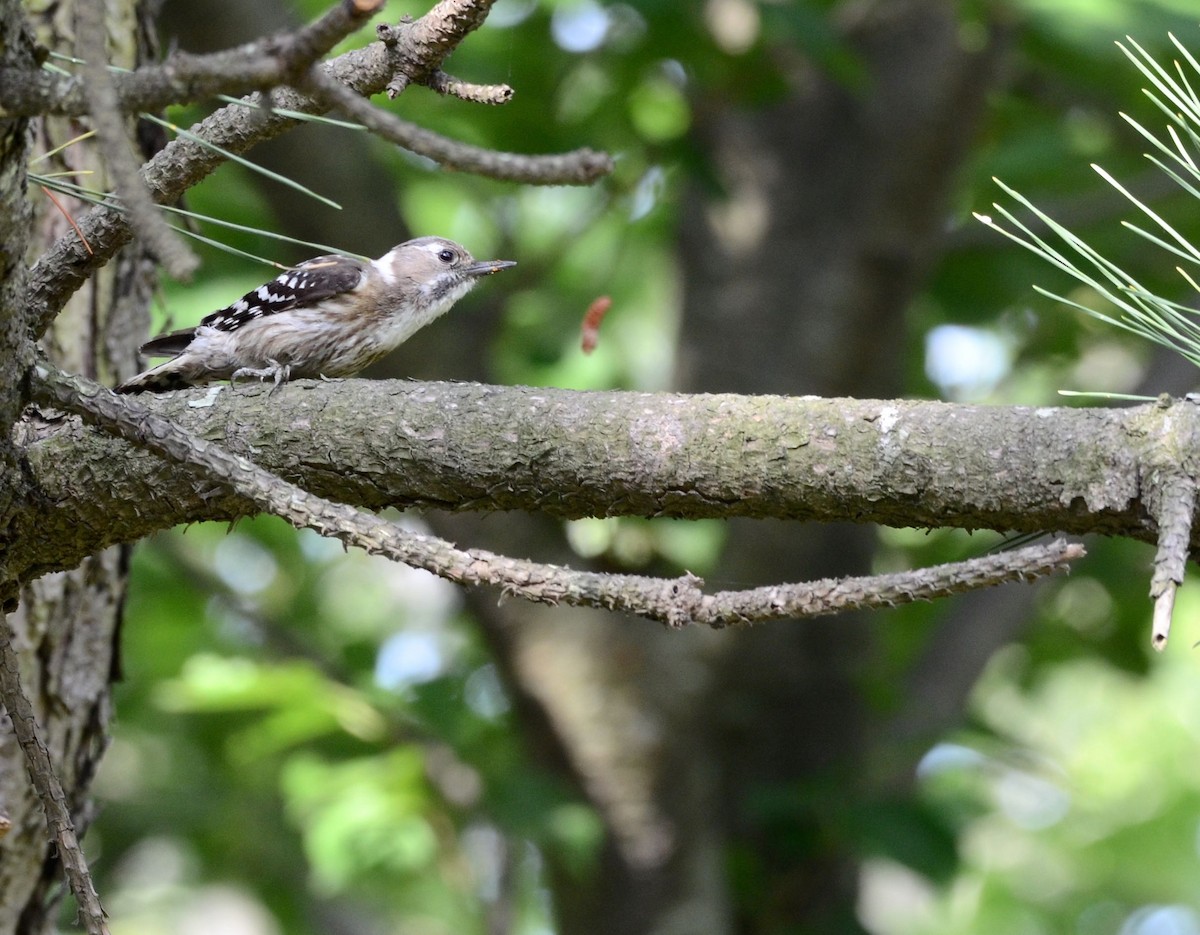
(312, 281)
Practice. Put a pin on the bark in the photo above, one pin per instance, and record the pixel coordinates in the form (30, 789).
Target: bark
(67, 625)
(23, 845)
(482, 448)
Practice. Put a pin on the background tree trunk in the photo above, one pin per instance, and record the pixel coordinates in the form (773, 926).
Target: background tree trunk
(796, 281)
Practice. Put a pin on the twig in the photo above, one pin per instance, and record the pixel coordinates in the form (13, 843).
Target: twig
(835, 595)
(1169, 492)
(45, 781)
(549, 584)
(467, 91)
(581, 167)
(112, 134)
(675, 601)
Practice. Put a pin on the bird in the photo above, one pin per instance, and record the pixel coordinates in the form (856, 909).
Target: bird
(330, 316)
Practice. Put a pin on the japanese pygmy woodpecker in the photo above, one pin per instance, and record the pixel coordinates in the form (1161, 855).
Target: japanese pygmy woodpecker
(328, 317)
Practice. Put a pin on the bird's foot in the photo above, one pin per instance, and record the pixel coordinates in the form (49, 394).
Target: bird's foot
(274, 370)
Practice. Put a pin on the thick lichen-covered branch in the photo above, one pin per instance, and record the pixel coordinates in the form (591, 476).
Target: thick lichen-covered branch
(674, 601)
(572, 454)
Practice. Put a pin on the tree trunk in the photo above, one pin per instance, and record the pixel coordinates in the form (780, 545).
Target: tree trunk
(796, 282)
(67, 625)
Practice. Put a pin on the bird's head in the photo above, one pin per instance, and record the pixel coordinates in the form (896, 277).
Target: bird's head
(433, 272)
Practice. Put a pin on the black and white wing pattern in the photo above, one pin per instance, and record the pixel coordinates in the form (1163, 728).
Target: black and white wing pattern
(312, 281)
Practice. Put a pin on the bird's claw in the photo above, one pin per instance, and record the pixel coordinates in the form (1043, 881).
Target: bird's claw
(274, 370)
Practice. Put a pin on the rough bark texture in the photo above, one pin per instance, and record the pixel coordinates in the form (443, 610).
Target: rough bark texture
(66, 626)
(22, 848)
(475, 447)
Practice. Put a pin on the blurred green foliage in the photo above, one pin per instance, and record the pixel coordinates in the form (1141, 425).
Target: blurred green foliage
(324, 735)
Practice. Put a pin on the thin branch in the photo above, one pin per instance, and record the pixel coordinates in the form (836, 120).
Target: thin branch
(182, 78)
(581, 167)
(676, 602)
(112, 134)
(46, 782)
(835, 595)
(467, 91)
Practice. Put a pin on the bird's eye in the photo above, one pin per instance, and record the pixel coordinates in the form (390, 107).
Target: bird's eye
(446, 256)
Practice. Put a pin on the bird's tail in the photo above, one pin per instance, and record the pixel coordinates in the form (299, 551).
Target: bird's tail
(158, 379)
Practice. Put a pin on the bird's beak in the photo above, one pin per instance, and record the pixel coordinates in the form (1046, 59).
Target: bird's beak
(487, 267)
